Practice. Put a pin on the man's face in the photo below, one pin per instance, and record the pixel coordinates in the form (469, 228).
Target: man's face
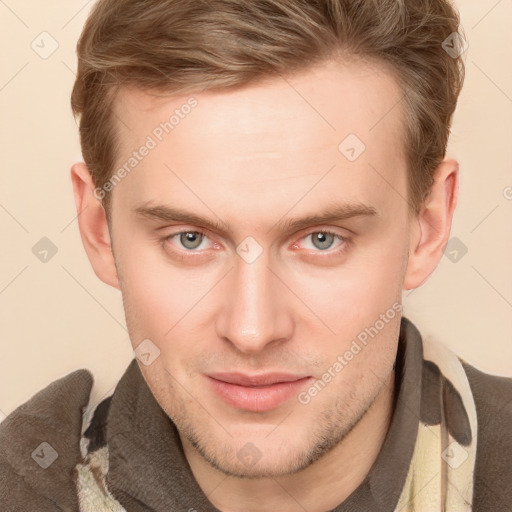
(255, 295)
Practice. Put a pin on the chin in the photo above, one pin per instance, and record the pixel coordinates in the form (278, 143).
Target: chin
(252, 463)
(264, 453)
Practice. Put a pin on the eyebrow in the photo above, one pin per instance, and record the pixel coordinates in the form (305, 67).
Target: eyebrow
(331, 213)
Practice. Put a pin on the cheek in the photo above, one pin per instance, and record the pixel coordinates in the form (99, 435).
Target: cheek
(165, 303)
(352, 296)
(152, 292)
(147, 278)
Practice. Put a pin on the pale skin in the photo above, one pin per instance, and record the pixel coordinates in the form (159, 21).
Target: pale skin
(250, 158)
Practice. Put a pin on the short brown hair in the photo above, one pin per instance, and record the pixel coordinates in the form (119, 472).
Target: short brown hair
(181, 46)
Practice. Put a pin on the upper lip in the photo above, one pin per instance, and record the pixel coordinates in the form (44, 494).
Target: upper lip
(266, 379)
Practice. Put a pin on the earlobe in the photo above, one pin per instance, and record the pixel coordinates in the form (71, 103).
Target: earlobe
(93, 225)
(430, 229)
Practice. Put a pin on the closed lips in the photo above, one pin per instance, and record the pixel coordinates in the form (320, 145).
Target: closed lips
(256, 380)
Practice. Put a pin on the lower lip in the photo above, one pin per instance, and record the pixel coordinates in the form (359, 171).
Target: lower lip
(259, 398)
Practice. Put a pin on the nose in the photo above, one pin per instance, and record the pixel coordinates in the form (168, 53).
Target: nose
(254, 312)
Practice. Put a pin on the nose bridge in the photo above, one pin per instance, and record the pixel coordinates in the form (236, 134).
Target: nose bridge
(253, 316)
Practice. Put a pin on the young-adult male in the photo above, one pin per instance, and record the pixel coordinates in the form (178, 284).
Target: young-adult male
(262, 180)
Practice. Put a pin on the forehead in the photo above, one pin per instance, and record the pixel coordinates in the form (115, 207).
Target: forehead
(267, 140)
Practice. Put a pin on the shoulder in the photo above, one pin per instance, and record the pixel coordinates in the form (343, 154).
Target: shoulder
(493, 400)
(40, 446)
(493, 471)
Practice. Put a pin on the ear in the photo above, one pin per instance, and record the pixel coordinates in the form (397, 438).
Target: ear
(93, 225)
(430, 229)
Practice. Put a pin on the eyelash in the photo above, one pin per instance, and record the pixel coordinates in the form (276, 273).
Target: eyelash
(185, 254)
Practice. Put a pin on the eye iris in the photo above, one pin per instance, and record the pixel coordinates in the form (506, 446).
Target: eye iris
(325, 240)
(191, 239)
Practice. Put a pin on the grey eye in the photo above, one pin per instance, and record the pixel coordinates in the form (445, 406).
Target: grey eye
(322, 240)
(191, 239)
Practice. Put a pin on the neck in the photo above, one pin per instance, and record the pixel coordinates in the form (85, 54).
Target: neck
(321, 486)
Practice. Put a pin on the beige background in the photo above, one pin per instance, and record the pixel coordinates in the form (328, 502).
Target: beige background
(57, 316)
